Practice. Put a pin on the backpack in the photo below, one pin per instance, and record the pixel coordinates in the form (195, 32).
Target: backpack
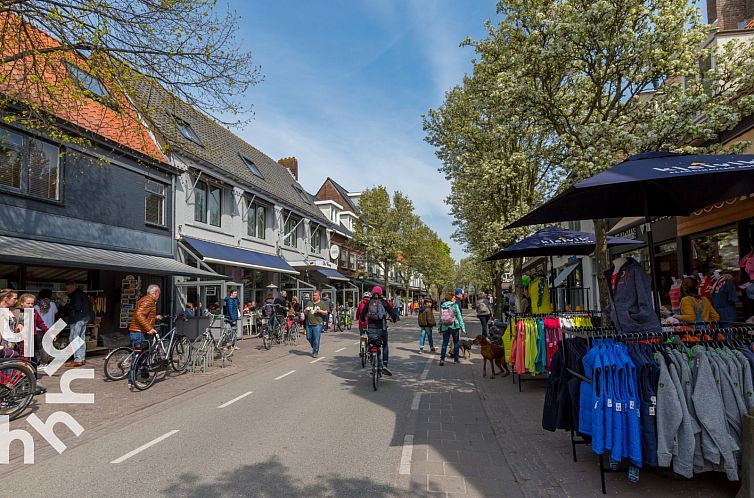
(376, 310)
(447, 315)
(482, 308)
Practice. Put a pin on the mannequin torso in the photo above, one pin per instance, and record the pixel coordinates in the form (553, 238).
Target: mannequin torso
(618, 264)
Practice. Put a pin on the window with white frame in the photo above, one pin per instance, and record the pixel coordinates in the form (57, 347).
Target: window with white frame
(256, 220)
(316, 241)
(208, 203)
(353, 261)
(290, 238)
(154, 203)
(343, 258)
(29, 166)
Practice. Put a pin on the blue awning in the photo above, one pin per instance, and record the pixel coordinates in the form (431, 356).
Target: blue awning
(235, 256)
(332, 274)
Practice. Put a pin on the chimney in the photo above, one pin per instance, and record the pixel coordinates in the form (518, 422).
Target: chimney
(729, 14)
(292, 164)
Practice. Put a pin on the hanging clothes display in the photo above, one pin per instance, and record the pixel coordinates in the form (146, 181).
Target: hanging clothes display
(630, 297)
(656, 399)
(539, 295)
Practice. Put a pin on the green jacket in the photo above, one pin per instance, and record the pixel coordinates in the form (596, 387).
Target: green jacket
(458, 324)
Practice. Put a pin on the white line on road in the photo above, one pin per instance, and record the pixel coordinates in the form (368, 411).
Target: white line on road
(408, 449)
(424, 374)
(341, 349)
(416, 401)
(144, 447)
(227, 403)
(318, 359)
(284, 375)
(356, 343)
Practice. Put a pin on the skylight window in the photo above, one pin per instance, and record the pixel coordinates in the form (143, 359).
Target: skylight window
(88, 82)
(252, 167)
(303, 195)
(186, 130)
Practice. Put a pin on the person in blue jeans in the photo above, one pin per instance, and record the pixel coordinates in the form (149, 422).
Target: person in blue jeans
(315, 312)
(232, 312)
(451, 323)
(426, 322)
(142, 326)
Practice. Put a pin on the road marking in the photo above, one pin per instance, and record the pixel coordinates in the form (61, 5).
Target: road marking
(144, 447)
(234, 400)
(318, 359)
(424, 374)
(341, 349)
(284, 375)
(416, 401)
(356, 343)
(408, 449)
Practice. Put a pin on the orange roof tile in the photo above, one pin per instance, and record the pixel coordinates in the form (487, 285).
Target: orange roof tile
(42, 80)
(750, 24)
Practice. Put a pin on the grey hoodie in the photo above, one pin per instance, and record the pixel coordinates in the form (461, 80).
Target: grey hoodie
(683, 451)
(669, 414)
(681, 362)
(710, 411)
(748, 387)
(730, 404)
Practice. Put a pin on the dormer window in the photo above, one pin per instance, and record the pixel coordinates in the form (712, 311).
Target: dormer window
(185, 129)
(252, 167)
(90, 84)
(303, 195)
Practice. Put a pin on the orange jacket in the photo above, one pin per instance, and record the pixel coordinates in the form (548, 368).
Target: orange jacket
(144, 315)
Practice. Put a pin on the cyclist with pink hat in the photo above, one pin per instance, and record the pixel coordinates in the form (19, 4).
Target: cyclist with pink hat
(376, 313)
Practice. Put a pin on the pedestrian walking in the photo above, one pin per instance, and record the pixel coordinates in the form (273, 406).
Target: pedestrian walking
(9, 300)
(232, 312)
(398, 305)
(315, 312)
(375, 314)
(484, 312)
(26, 301)
(451, 322)
(78, 313)
(426, 322)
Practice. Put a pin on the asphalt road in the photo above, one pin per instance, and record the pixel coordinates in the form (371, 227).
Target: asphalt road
(296, 427)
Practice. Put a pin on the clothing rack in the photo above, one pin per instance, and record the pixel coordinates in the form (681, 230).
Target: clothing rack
(668, 331)
(552, 314)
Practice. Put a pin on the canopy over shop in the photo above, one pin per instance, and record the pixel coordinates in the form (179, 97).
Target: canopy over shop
(651, 184)
(249, 272)
(113, 280)
(330, 281)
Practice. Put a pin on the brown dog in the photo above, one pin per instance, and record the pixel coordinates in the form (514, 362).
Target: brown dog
(494, 354)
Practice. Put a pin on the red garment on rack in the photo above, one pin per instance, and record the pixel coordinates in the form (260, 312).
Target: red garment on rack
(518, 349)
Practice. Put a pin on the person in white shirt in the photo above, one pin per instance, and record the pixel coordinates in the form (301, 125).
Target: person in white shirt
(46, 307)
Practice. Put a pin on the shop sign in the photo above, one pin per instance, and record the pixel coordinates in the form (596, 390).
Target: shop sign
(334, 251)
(46, 429)
(706, 166)
(566, 241)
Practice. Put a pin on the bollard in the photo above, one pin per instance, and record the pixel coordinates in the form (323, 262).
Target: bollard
(747, 462)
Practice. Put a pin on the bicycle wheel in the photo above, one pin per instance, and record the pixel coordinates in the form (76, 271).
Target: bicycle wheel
(180, 355)
(363, 354)
(118, 363)
(266, 339)
(339, 325)
(17, 385)
(144, 375)
(375, 370)
(227, 346)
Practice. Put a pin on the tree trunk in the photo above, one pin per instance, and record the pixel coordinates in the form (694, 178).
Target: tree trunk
(517, 287)
(497, 282)
(600, 255)
(386, 289)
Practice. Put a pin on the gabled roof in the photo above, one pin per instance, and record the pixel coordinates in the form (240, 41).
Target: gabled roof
(222, 149)
(57, 94)
(344, 194)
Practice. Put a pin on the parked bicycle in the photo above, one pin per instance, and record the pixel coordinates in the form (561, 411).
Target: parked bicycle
(207, 348)
(158, 354)
(274, 329)
(17, 386)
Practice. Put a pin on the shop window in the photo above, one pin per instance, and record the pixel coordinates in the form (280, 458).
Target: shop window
(316, 241)
(29, 165)
(290, 238)
(154, 203)
(715, 251)
(208, 204)
(256, 221)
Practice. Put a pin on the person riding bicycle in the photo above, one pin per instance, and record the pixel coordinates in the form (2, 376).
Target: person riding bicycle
(375, 313)
(362, 304)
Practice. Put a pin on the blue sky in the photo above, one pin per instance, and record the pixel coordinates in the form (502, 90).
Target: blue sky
(346, 83)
